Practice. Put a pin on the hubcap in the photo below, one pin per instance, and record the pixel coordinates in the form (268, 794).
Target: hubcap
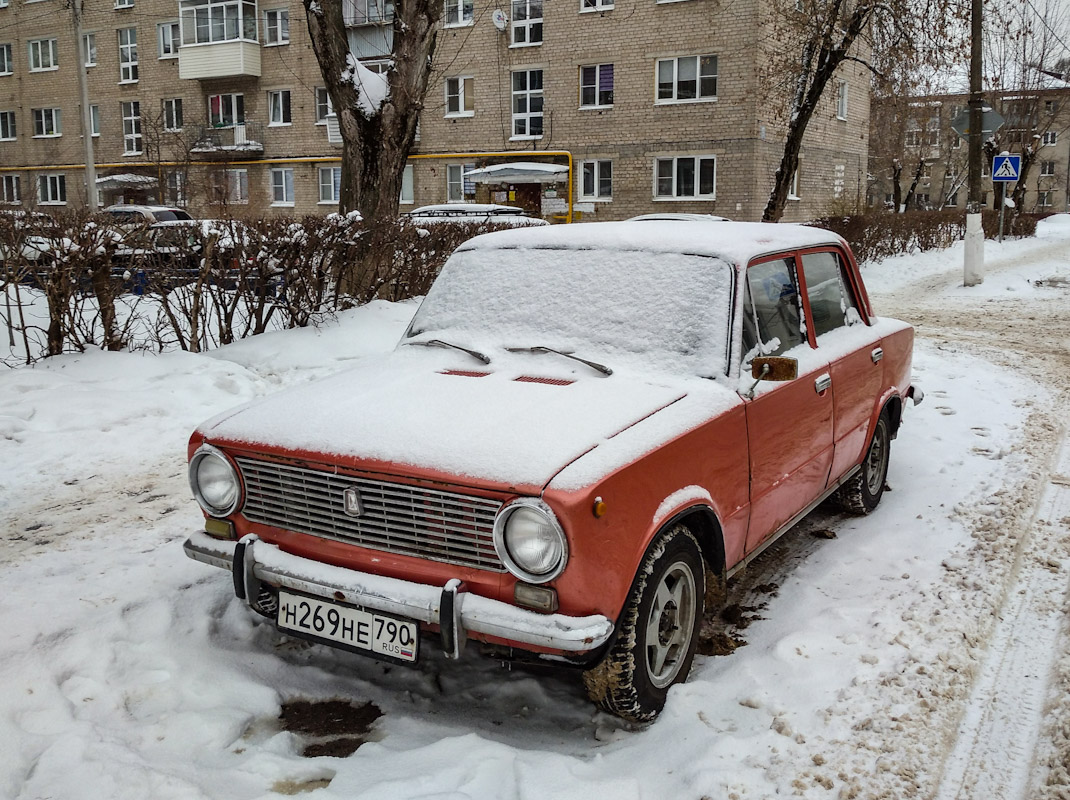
(875, 461)
(669, 626)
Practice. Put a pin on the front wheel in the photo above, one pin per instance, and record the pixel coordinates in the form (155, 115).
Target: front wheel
(658, 631)
(861, 494)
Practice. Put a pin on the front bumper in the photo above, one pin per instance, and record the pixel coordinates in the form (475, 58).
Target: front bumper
(453, 610)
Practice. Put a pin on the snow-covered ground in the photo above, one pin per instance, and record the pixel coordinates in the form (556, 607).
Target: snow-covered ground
(917, 652)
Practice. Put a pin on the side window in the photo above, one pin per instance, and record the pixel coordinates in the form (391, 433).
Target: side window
(829, 292)
(771, 310)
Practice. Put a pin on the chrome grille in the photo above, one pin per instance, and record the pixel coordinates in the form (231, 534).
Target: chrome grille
(396, 518)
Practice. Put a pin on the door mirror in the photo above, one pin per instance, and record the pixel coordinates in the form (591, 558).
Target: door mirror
(774, 368)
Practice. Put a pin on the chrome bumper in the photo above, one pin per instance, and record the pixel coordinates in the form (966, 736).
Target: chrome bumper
(454, 611)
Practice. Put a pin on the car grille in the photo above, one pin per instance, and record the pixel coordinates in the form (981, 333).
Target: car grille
(396, 518)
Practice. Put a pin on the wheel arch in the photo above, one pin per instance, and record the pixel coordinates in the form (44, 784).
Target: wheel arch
(702, 521)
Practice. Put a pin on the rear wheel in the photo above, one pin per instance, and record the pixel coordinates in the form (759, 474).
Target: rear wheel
(658, 631)
(861, 494)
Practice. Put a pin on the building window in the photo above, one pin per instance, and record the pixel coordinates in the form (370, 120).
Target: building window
(459, 12)
(952, 200)
(330, 184)
(276, 27)
(282, 187)
(175, 188)
(47, 122)
(128, 55)
(458, 189)
(94, 120)
(1050, 107)
(595, 5)
(131, 128)
(912, 136)
(527, 22)
(1044, 199)
(226, 110)
(596, 86)
(323, 106)
(7, 126)
(685, 178)
(89, 48)
(43, 55)
(1047, 169)
(367, 12)
(279, 107)
(596, 180)
(52, 189)
(6, 64)
(230, 186)
(168, 38)
(793, 190)
(956, 143)
(10, 190)
(124, 3)
(205, 21)
(1050, 137)
(932, 132)
(408, 196)
(460, 97)
(687, 79)
(172, 114)
(527, 104)
(841, 100)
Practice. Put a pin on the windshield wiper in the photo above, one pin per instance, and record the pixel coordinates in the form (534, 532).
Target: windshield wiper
(439, 343)
(539, 349)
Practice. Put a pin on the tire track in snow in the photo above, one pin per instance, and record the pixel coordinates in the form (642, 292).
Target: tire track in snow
(993, 756)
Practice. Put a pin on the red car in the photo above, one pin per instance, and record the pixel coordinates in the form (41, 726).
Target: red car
(584, 431)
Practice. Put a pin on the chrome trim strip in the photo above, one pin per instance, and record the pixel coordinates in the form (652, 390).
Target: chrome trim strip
(414, 601)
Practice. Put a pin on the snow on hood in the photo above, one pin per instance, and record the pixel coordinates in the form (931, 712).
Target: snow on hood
(408, 409)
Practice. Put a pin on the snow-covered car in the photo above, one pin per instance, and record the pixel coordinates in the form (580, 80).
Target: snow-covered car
(487, 213)
(131, 215)
(671, 216)
(28, 239)
(583, 433)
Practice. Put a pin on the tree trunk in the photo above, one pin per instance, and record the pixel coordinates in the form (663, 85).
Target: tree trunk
(897, 188)
(913, 184)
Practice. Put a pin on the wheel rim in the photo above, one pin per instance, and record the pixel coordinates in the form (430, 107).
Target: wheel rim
(877, 459)
(670, 624)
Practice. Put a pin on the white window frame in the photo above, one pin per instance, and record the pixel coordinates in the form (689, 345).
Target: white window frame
(45, 51)
(461, 89)
(1044, 199)
(11, 126)
(94, 121)
(213, 21)
(282, 187)
(408, 194)
(675, 161)
(330, 185)
(527, 95)
(175, 188)
(230, 186)
(322, 100)
(462, 13)
(524, 26)
(128, 72)
(595, 169)
(279, 108)
(1050, 138)
(841, 100)
(675, 63)
(168, 38)
(593, 6)
(793, 190)
(236, 103)
(45, 120)
(89, 48)
(171, 108)
(276, 27)
(10, 190)
(133, 141)
(1047, 169)
(52, 189)
(7, 65)
(596, 86)
(455, 182)
(120, 4)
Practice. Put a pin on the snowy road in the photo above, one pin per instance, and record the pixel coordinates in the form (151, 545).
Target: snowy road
(918, 652)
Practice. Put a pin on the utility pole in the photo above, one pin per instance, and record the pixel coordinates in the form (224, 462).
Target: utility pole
(974, 251)
(87, 115)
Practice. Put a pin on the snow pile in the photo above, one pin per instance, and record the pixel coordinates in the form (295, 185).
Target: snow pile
(372, 88)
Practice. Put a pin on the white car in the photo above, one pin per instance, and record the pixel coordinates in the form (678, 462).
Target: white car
(473, 212)
(129, 215)
(678, 217)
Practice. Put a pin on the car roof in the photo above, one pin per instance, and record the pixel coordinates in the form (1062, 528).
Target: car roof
(735, 242)
(464, 209)
(139, 207)
(678, 217)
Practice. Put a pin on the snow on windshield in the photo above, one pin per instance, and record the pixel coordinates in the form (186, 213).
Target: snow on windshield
(666, 311)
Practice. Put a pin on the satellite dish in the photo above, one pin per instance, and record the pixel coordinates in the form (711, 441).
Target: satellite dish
(499, 19)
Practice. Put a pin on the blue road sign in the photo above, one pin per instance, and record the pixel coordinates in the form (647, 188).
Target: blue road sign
(1006, 168)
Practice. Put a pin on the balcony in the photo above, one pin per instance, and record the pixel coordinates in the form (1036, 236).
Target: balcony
(229, 59)
(231, 143)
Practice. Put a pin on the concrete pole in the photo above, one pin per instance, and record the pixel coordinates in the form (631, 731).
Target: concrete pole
(87, 117)
(974, 251)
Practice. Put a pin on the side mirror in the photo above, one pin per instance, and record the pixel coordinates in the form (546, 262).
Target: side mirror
(774, 368)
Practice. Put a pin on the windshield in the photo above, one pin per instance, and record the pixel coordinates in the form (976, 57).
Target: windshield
(666, 311)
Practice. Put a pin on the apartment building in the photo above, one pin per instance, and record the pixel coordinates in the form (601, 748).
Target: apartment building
(605, 108)
(917, 132)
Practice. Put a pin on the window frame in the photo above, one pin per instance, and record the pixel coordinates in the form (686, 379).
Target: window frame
(174, 41)
(465, 96)
(40, 114)
(676, 197)
(335, 185)
(408, 181)
(464, 11)
(133, 138)
(596, 87)
(287, 186)
(94, 120)
(597, 178)
(521, 19)
(171, 110)
(89, 48)
(849, 297)
(327, 104)
(699, 96)
(12, 126)
(46, 179)
(1044, 198)
(841, 100)
(123, 4)
(223, 181)
(236, 99)
(1049, 139)
(527, 94)
(791, 260)
(128, 58)
(595, 6)
(279, 100)
(7, 65)
(1047, 169)
(281, 26)
(37, 44)
(457, 181)
(197, 17)
(11, 190)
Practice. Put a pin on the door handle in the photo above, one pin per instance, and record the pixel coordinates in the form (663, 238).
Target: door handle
(877, 355)
(823, 383)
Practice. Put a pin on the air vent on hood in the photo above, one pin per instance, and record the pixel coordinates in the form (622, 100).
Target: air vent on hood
(464, 373)
(548, 381)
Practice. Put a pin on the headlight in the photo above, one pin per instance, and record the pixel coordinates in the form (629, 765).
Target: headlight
(530, 541)
(214, 482)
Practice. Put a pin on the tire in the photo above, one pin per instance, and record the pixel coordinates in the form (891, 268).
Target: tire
(861, 494)
(658, 631)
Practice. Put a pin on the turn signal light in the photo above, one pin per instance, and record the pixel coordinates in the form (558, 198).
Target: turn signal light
(538, 598)
(219, 528)
(599, 507)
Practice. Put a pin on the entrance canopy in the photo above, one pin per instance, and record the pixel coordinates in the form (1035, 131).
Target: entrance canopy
(519, 172)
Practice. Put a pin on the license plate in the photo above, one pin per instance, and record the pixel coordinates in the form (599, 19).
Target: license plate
(353, 628)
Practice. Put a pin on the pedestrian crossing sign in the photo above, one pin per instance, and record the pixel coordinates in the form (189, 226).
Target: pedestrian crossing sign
(1006, 168)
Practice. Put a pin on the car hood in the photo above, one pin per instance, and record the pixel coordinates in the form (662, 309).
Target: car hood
(511, 425)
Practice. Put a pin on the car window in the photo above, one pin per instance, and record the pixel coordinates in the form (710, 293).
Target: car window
(828, 290)
(771, 311)
(170, 215)
(127, 217)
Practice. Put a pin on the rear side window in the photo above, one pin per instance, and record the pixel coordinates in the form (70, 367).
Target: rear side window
(127, 217)
(772, 315)
(829, 292)
(168, 216)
